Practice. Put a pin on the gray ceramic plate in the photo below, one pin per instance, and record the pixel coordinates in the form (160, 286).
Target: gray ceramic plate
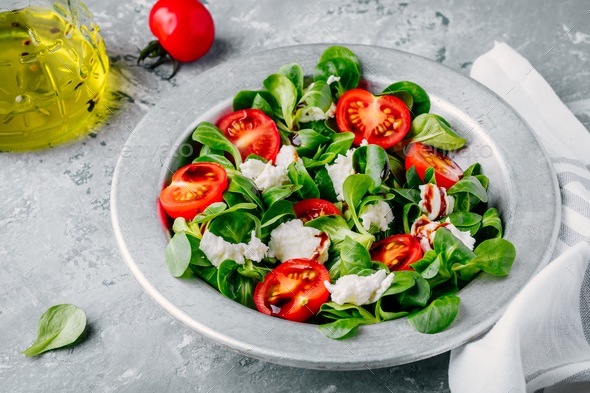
(523, 188)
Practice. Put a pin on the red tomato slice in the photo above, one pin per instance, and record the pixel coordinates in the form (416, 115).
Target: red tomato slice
(252, 132)
(294, 290)
(397, 252)
(383, 120)
(193, 188)
(312, 208)
(421, 157)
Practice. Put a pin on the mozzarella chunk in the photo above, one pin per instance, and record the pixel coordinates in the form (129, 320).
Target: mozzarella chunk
(265, 175)
(339, 170)
(434, 201)
(359, 290)
(311, 113)
(331, 111)
(255, 250)
(217, 250)
(424, 229)
(331, 79)
(464, 236)
(292, 239)
(252, 168)
(364, 142)
(377, 214)
(286, 156)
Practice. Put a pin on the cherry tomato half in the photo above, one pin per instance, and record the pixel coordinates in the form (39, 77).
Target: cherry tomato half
(252, 132)
(193, 188)
(397, 252)
(183, 27)
(309, 209)
(383, 120)
(421, 157)
(294, 290)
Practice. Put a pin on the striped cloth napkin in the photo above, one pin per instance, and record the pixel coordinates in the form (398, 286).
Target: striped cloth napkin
(542, 342)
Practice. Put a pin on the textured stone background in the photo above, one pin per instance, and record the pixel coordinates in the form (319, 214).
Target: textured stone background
(57, 244)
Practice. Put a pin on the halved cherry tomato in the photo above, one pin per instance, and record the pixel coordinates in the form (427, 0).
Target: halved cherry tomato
(383, 120)
(313, 208)
(294, 290)
(193, 188)
(252, 132)
(397, 252)
(421, 157)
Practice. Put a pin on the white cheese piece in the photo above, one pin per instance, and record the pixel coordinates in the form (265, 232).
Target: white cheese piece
(311, 113)
(431, 198)
(252, 168)
(359, 290)
(364, 142)
(339, 170)
(332, 79)
(286, 156)
(377, 214)
(450, 201)
(424, 229)
(464, 236)
(331, 112)
(217, 250)
(265, 176)
(255, 250)
(292, 239)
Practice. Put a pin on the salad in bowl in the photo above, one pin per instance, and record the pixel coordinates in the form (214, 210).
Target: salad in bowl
(316, 199)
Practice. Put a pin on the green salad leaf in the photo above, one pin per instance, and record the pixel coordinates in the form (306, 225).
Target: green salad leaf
(178, 254)
(285, 94)
(346, 319)
(354, 189)
(434, 131)
(354, 258)
(373, 161)
(209, 135)
(437, 316)
(294, 73)
(235, 227)
(59, 326)
(261, 99)
(420, 102)
(493, 256)
(340, 62)
(235, 285)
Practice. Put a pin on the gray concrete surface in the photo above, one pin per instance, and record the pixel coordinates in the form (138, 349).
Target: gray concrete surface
(57, 244)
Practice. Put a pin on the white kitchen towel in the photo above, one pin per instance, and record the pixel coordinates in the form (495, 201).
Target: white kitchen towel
(542, 342)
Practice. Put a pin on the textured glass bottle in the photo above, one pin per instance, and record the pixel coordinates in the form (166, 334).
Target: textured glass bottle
(53, 69)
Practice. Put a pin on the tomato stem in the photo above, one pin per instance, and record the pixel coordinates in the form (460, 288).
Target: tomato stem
(155, 50)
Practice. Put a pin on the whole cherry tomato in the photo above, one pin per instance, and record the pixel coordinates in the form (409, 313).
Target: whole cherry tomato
(184, 29)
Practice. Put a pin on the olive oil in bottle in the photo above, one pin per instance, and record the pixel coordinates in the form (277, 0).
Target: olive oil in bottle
(53, 70)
